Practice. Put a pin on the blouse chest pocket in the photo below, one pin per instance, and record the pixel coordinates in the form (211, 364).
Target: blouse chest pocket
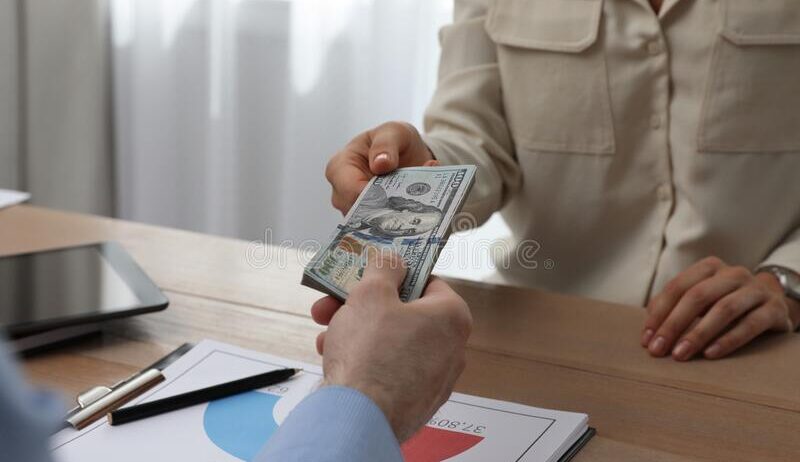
(752, 100)
(554, 77)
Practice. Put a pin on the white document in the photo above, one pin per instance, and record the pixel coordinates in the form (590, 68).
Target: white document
(9, 197)
(466, 428)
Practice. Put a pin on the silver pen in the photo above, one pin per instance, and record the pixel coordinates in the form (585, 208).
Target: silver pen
(96, 402)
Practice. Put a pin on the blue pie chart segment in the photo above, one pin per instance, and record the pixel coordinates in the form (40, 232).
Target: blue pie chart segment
(241, 425)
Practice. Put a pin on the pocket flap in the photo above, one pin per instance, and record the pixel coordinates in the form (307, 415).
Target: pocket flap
(762, 22)
(554, 25)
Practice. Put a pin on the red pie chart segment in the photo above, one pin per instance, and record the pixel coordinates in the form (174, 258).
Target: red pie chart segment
(436, 445)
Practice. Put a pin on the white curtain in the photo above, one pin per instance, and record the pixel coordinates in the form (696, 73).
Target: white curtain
(9, 88)
(227, 110)
(55, 113)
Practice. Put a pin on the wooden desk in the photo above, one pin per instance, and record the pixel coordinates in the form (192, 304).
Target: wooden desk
(528, 346)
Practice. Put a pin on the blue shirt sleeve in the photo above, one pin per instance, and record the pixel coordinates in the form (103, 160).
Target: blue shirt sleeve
(333, 424)
(26, 416)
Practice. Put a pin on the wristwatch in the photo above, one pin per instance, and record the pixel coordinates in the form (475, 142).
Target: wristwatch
(790, 280)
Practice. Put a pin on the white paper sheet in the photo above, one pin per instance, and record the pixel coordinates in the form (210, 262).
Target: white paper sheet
(9, 197)
(466, 428)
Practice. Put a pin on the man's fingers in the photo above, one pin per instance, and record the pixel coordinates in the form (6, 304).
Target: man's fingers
(321, 343)
(751, 326)
(436, 289)
(440, 299)
(322, 310)
(660, 306)
(724, 313)
(694, 302)
(388, 141)
(385, 271)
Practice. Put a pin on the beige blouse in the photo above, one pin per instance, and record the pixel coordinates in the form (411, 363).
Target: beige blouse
(627, 145)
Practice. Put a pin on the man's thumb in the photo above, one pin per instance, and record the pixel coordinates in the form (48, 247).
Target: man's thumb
(384, 265)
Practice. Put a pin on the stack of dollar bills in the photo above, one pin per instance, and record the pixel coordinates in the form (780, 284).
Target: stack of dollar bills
(408, 211)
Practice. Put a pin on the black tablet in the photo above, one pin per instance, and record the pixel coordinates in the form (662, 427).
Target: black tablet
(74, 286)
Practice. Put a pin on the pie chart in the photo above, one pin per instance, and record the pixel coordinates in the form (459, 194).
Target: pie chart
(241, 424)
(436, 445)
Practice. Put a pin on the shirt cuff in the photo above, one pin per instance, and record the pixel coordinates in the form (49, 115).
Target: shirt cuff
(787, 254)
(334, 424)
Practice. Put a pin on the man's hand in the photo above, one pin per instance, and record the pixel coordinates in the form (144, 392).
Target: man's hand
(715, 309)
(374, 152)
(405, 356)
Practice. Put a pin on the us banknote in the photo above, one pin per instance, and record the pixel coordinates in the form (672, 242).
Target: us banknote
(408, 211)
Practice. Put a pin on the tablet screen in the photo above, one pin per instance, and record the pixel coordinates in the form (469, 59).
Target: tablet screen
(73, 284)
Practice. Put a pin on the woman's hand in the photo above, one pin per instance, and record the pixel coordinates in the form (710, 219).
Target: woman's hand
(714, 309)
(374, 152)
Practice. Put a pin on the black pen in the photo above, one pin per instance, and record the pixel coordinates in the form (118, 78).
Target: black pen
(173, 403)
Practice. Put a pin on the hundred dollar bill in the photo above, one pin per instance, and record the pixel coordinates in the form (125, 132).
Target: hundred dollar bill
(408, 211)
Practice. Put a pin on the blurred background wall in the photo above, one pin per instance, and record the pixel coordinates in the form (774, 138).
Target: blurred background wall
(8, 94)
(56, 130)
(227, 111)
(211, 115)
